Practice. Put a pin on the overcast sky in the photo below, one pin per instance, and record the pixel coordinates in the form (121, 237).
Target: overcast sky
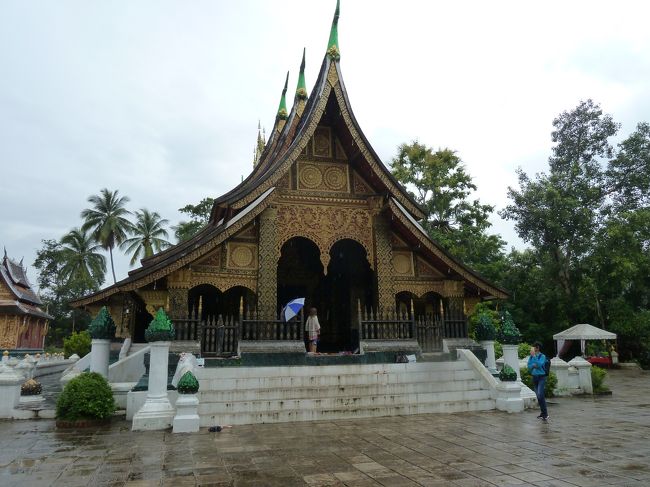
(161, 99)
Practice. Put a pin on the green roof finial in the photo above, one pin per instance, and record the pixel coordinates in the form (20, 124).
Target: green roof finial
(301, 90)
(333, 44)
(282, 109)
(103, 326)
(160, 329)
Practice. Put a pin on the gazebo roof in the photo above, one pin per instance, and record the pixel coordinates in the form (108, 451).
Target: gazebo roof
(584, 331)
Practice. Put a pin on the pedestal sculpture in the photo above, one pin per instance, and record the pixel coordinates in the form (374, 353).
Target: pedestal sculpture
(485, 334)
(187, 405)
(157, 412)
(102, 331)
(510, 337)
(9, 390)
(509, 391)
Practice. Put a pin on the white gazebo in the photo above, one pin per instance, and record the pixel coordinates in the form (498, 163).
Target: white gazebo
(582, 332)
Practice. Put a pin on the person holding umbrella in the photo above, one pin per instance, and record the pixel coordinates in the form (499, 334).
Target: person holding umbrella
(312, 327)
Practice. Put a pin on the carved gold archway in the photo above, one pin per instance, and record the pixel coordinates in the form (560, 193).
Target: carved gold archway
(324, 226)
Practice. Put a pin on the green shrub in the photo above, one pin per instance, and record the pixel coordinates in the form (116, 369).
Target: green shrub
(78, 343)
(87, 396)
(507, 374)
(485, 329)
(524, 350)
(508, 333)
(498, 349)
(598, 378)
(549, 386)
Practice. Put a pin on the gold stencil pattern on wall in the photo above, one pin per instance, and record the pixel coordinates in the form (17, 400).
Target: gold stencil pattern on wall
(310, 177)
(403, 263)
(322, 142)
(242, 255)
(331, 177)
(325, 225)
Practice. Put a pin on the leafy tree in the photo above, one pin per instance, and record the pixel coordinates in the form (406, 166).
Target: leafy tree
(56, 291)
(107, 219)
(439, 183)
(559, 213)
(149, 235)
(588, 223)
(199, 217)
(81, 264)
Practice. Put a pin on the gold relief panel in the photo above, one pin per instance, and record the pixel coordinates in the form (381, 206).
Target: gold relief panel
(325, 225)
(340, 153)
(242, 255)
(397, 242)
(403, 263)
(179, 279)
(250, 232)
(330, 177)
(360, 186)
(284, 182)
(322, 141)
(214, 258)
(427, 270)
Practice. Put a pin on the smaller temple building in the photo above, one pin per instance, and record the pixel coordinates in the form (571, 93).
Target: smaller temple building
(23, 324)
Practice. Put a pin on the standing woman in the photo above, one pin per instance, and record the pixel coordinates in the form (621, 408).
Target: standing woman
(312, 327)
(536, 367)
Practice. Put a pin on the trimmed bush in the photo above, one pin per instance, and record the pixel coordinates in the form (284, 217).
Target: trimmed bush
(598, 376)
(509, 333)
(485, 329)
(87, 396)
(549, 386)
(78, 343)
(508, 374)
(524, 350)
(498, 349)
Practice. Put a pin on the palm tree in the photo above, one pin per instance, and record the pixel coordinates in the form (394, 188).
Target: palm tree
(149, 235)
(108, 220)
(81, 261)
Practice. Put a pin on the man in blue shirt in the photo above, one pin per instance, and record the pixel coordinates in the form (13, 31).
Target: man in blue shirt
(536, 363)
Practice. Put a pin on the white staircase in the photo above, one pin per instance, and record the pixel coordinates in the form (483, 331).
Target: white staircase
(248, 395)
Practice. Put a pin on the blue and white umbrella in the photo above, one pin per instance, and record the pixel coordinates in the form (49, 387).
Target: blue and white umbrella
(292, 308)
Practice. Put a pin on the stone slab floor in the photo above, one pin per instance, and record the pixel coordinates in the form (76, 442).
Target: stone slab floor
(587, 442)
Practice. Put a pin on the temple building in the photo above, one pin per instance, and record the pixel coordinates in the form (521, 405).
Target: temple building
(23, 324)
(320, 217)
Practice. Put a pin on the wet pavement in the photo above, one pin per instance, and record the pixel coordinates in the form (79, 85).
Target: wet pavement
(587, 442)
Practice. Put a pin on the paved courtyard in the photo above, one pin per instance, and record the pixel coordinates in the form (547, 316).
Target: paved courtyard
(587, 442)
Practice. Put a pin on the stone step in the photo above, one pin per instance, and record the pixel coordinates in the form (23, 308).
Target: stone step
(332, 380)
(310, 370)
(206, 396)
(345, 412)
(326, 403)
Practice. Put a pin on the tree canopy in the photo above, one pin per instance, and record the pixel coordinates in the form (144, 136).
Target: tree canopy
(440, 184)
(199, 217)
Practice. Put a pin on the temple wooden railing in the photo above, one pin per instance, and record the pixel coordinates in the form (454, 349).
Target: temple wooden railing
(428, 330)
(256, 328)
(383, 324)
(454, 319)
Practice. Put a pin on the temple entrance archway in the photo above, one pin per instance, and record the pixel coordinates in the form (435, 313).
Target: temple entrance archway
(206, 302)
(300, 272)
(349, 279)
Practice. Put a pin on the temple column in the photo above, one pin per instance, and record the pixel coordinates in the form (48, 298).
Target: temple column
(267, 279)
(178, 306)
(384, 263)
